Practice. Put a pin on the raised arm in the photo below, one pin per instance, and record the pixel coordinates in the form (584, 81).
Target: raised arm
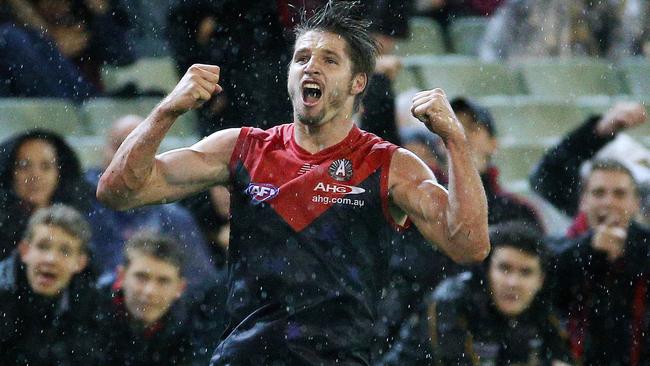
(136, 176)
(456, 221)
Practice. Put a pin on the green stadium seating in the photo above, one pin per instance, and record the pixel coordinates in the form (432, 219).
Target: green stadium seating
(89, 149)
(570, 78)
(157, 74)
(532, 120)
(466, 34)
(19, 114)
(516, 161)
(406, 79)
(459, 75)
(636, 73)
(100, 113)
(425, 38)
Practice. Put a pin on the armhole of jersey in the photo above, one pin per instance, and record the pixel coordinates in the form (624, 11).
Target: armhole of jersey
(241, 148)
(383, 183)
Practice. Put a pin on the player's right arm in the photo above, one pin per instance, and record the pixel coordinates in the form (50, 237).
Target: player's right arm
(137, 176)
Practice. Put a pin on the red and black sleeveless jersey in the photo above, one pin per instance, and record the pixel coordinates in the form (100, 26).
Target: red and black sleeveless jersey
(308, 247)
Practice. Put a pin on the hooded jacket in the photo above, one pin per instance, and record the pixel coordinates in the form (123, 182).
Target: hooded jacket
(71, 190)
(41, 331)
(169, 341)
(606, 304)
(460, 323)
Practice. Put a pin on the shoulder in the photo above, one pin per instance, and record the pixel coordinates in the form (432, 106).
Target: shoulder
(8, 268)
(453, 289)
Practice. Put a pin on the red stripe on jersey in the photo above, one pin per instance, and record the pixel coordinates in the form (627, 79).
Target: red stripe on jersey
(273, 159)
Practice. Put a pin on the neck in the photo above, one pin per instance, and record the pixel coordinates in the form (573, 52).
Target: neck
(318, 138)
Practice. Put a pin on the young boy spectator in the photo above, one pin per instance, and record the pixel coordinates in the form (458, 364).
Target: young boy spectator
(114, 228)
(498, 313)
(146, 324)
(494, 315)
(46, 309)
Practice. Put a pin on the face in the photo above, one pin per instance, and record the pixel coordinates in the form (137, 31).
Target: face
(609, 198)
(150, 287)
(52, 257)
(482, 144)
(117, 134)
(36, 174)
(515, 278)
(321, 85)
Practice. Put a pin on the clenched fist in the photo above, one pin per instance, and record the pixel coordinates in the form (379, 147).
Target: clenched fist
(432, 108)
(196, 87)
(621, 116)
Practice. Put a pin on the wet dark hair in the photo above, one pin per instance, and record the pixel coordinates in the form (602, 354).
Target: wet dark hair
(71, 189)
(610, 165)
(157, 245)
(519, 235)
(344, 18)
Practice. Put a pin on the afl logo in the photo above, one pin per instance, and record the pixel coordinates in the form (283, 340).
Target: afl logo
(341, 170)
(261, 192)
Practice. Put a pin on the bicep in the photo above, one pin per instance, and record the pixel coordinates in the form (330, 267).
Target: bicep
(415, 191)
(181, 172)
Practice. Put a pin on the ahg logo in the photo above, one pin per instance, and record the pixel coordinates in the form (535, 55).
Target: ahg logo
(261, 192)
(338, 188)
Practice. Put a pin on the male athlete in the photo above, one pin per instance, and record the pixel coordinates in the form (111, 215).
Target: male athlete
(312, 201)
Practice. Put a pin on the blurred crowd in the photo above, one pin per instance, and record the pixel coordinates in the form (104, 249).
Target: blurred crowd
(83, 284)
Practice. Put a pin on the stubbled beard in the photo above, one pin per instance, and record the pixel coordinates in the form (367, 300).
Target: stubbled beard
(310, 121)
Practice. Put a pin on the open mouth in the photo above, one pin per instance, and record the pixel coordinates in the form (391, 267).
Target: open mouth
(311, 93)
(46, 277)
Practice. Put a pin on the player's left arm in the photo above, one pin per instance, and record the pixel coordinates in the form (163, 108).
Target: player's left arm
(455, 220)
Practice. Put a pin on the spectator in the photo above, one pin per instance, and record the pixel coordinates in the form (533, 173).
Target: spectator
(46, 308)
(37, 169)
(529, 29)
(496, 314)
(246, 39)
(557, 176)
(506, 321)
(113, 228)
(56, 48)
(146, 323)
(411, 259)
(481, 136)
(602, 276)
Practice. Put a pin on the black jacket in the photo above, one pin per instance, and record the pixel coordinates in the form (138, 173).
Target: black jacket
(504, 206)
(460, 323)
(557, 176)
(35, 330)
(416, 268)
(72, 189)
(167, 342)
(606, 304)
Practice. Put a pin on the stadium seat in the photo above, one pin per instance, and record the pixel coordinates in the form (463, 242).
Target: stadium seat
(532, 120)
(148, 74)
(636, 73)
(515, 161)
(459, 75)
(89, 149)
(406, 79)
(425, 38)
(100, 113)
(570, 78)
(466, 33)
(19, 114)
